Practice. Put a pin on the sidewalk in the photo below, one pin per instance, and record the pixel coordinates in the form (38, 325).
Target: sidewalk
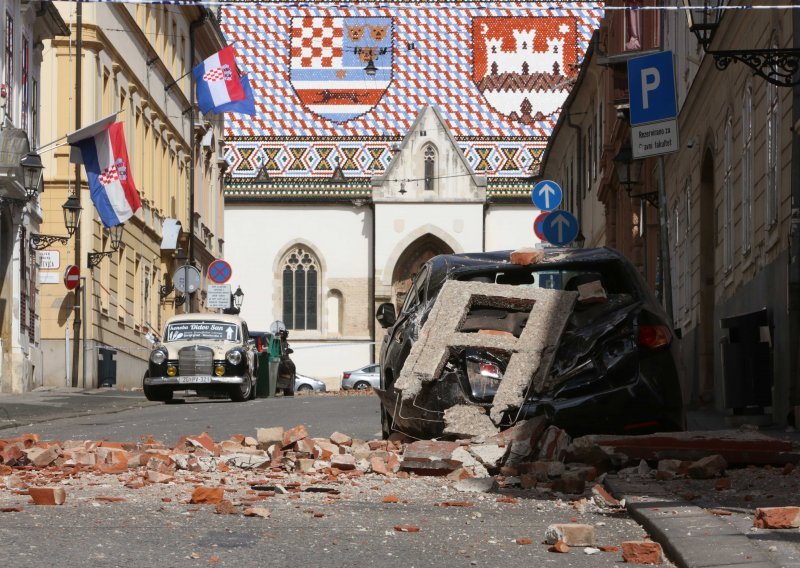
(46, 404)
(709, 522)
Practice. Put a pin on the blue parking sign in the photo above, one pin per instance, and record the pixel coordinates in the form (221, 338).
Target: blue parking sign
(651, 86)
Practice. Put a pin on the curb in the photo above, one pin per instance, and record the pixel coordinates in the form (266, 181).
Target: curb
(23, 423)
(690, 536)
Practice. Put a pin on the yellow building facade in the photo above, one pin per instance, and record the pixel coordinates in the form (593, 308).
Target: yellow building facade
(136, 61)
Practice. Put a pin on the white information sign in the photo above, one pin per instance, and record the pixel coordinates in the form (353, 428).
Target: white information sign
(186, 279)
(49, 277)
(219, 296)
(49, 259)
(654, 139)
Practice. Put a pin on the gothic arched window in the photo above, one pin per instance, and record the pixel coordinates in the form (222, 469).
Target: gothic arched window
(430, 167)
(300, 288)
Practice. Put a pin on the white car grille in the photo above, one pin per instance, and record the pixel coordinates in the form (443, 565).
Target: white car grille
(195, 361)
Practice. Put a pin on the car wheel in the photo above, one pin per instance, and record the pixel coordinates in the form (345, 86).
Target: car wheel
(304, 388)
(157, 394)
(386, 423)
(241, 393)
(252, 389)
(288, 391)
(362, 385)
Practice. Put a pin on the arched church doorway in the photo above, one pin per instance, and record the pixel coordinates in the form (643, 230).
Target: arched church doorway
(416, 254)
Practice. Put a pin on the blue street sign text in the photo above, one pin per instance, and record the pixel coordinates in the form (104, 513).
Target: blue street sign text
(651, 86)
(546, 195)
(560, 228)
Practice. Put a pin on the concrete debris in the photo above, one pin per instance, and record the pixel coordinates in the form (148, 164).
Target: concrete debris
(708, 467)
(571, 534)
(490, 455)
(466, 421)
(476, 485)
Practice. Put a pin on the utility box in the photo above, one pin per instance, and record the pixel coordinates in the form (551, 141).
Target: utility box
(747, 362)
(106, 367)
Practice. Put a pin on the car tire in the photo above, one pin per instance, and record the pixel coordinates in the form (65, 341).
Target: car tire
(288, 391)
(243, 392)
(386, 423)
(361, 385)
(304, 388)
(157, 394)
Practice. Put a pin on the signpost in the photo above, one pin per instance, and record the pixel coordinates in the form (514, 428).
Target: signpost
(72, 277)
(653, 105)
(546, 195)
(219, 272)
(186, 279)
(560, 227)
(538, 225)
(219, 296)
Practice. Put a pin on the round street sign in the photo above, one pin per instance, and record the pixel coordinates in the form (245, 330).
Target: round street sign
(560, 228)
(219, 272)
(538, 225)
(546, 195)
(186, 279)
(72, 277)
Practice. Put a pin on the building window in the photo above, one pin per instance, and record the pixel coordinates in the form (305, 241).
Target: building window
(772, 155)
(747, 170)
(300, 289)
(25, 105)
(727, 196)
(9, 62)
(430, 167)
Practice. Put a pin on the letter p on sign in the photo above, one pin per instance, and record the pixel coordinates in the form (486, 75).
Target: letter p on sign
(651, 79)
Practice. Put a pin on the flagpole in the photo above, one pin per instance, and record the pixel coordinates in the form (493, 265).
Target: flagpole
(78, 355)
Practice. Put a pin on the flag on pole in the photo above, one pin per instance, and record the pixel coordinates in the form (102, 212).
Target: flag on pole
(246, 105)
(218, 81)
(105, 158)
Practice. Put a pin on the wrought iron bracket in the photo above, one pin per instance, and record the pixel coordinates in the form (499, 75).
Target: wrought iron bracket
(13, 201)
(40, 242)
(165, 290)
(777, 66)
(179, 300)
(651, 197)
(93, 259)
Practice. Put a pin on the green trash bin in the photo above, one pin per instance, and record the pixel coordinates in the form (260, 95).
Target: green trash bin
(265, 382)
(274, 360)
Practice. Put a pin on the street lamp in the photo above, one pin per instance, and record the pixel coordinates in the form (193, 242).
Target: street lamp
(238, 298)
(72, 216)
(629, 173)
(777, 66)
(93, 259)
(116, 235)
(31, 174)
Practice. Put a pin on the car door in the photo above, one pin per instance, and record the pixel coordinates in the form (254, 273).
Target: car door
(249, 350)
(404, 332)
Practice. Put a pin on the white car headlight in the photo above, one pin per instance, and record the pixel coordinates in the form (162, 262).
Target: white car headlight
(234, 357)
(158, 356)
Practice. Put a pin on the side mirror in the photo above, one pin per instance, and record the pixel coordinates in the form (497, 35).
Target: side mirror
(386, 315)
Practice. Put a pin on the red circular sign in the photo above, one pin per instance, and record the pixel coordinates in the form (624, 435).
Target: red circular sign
(72, 277)
(219, 272)
(538, 225)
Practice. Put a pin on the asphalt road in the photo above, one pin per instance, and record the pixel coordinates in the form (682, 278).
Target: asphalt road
(128, 416)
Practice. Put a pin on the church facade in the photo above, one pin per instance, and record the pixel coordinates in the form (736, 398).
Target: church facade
(385, 134)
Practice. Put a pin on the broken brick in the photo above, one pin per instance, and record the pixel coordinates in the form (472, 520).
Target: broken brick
(526, 256)
(379, 466)
(642, 552)
(42, 457)
(553, 444)
(406, 528)
(341, 439)
(777, 518)
(430, 457)
(573, 534)
(707, 467)
(524, 541)
(257, 512)
(207, 495)
(559, 546)
(603, 498)
(296, 433)
(343, 462)
(48, 495)
(225, 507)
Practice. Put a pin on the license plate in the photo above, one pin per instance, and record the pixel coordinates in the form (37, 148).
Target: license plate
(192, 380)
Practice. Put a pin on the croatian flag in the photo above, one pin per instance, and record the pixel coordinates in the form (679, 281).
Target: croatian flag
(218, 81)
(105, 158)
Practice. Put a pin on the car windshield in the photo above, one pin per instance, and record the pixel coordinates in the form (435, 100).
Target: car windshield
(205, 330)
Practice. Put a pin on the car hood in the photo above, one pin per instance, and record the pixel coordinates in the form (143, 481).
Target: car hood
(220, 348)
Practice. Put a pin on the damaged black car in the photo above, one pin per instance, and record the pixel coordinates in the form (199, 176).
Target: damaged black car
(611, 366)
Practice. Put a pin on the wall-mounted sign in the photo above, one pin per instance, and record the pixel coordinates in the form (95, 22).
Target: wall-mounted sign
(48, 259)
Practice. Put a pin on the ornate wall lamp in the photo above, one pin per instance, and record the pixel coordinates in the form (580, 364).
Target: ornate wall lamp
(629, 174)
(94, 258)
(778, 66)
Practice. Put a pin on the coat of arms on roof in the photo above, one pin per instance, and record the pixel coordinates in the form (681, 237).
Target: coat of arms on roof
(341, 67)
(524, 66)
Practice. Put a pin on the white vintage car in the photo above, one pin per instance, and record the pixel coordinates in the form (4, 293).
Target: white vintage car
(207, 352)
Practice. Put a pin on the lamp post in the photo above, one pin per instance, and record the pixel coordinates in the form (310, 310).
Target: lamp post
(778, 66)
(72, 218)
(31, 174)
(94, 258)
(237, 299)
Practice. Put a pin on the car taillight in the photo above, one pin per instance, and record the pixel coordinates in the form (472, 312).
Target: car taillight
(345, 375)
(654, 336)
(490, 370)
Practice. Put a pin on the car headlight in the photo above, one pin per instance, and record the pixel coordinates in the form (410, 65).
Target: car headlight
(158, 356)
(234, 357)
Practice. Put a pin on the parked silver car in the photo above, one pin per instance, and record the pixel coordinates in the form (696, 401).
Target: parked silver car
(303, 383)
(368, 376)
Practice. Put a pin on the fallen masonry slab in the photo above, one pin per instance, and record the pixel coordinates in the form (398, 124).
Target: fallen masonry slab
(429, 457)
(464, 421)
(572, 534)
(736, 447)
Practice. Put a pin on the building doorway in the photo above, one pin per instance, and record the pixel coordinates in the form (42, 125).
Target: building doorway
(703, 381)
(416, 254)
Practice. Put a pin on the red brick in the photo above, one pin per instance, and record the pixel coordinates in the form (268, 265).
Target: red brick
(379, 466)
(559, 546)
(42, 457)
(344, 462)
(430, 457)
(526, 256)
(642, 552)
(112, 467)
(207, 495)
(48, 495)
(341, 439)
(777, 518)
(604, 497)
(722, 484)
(296, 433)
(12, 455)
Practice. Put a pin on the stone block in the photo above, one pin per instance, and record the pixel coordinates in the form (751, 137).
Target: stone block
(642, 552)
(572, 534)
(468, 421)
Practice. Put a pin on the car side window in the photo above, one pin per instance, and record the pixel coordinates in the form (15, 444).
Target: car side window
(417, 292)
(374, 369)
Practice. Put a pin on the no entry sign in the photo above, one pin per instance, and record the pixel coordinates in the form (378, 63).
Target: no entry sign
(72, 277)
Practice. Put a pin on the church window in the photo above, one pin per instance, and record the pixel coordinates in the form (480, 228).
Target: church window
(300, 289)
(430, 167)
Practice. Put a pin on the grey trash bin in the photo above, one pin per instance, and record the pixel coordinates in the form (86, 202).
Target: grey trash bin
(106, 367)
(747, 362)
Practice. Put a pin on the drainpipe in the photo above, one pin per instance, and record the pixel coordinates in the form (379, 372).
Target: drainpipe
(579, 169)
(794, 233)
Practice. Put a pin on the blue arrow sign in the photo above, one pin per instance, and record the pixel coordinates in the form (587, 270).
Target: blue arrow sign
(546, 195)
(560, 228)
